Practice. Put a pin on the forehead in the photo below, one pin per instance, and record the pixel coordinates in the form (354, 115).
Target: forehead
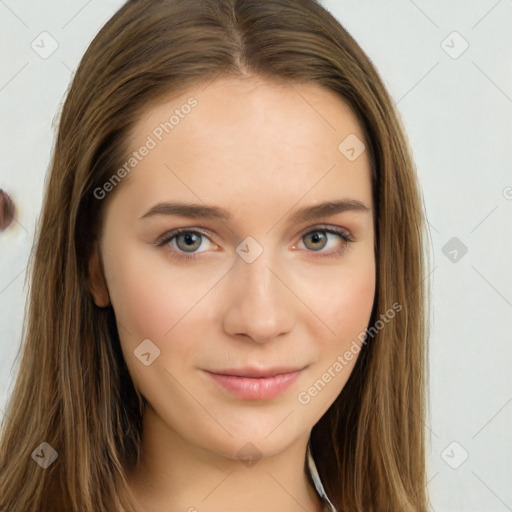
(243, 138)
(260, 106)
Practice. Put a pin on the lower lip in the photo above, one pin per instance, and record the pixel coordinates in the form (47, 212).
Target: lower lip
(248, 388)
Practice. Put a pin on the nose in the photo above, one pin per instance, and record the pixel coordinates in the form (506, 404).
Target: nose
(259, 303)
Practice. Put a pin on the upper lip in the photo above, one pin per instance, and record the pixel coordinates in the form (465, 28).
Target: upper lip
(256, 372)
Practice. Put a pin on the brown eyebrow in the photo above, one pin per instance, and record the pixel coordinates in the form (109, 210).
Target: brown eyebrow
(197, 211)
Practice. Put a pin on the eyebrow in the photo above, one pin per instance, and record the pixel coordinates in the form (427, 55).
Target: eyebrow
(308, 213)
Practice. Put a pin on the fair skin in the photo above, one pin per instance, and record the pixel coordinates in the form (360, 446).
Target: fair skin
(262, 151)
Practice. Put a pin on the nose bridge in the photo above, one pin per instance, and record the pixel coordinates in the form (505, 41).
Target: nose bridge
(257, 274)
(259, 302)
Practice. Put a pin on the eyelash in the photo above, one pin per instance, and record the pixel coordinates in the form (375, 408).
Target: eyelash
(167, 237)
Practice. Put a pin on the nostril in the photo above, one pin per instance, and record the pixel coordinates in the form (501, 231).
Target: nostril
(6, 210)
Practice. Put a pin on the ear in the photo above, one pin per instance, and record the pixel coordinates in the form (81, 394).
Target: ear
(96, 279)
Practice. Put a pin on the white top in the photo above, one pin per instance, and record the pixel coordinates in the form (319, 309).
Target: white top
(316, 480)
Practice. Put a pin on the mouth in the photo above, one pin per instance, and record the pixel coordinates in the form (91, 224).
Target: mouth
(255, 383)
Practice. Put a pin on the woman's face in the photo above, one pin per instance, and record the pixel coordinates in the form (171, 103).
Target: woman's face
(254, 286)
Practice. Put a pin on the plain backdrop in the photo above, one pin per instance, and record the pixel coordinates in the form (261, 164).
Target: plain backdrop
(448, 68)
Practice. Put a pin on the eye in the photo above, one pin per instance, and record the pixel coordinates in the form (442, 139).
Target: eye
(186, 242)
(318, 239)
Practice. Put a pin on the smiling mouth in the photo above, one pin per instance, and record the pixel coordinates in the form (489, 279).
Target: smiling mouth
(255, 384)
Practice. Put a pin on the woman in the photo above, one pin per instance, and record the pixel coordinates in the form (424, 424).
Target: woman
(227, 304)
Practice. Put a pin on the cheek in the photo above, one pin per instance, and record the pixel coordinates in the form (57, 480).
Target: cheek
(344, 301)
(351, 304)
(139, 307)
(155, 302)
(150, 300)
(345, 306)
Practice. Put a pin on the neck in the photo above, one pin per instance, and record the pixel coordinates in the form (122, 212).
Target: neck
(175, 475)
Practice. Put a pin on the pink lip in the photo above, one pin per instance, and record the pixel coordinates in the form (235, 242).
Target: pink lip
(253, 384)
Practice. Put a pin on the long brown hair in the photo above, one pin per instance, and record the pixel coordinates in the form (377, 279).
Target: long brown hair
(73, 390)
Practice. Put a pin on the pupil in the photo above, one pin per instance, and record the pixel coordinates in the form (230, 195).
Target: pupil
(189, 239)
(316, 237)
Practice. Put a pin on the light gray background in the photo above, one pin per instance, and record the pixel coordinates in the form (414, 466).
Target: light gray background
(457, 110)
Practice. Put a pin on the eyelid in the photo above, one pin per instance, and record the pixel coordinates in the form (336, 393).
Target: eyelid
(344, 232)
